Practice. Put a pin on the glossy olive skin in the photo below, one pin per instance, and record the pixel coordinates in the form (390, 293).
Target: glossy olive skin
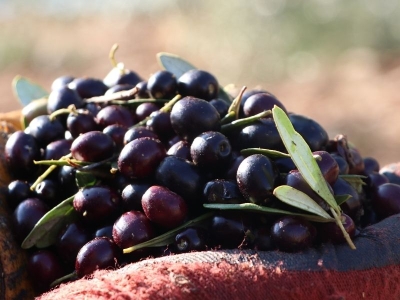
(312, 132)
(43, 268)
(20, 151)
(116, 77)
(45, 130)
(260, 102)
(256, 178)
(181, 177)
(330, 232)
(353, 206)
(164, 207)
(221, 106)
(145, 109)
(117, 133)
(138, 132)
(211, 150)
(143, 92)
(261, 134)
(57, 149)
(386, 201)
(180, 149)
(192, 116)
(61, 82)
(95, 204)
(297, 181)
(370, 165)
(342, 163)
(17, 191)
(81, 122)
(26, 215)
(328, 166)
(222, 191)
(162, 85)
(70, 240)
(132, 194)
(114, 114)
(141, 157)
(292, 234)
(99, 253)
(62, 98)
(92, 146)
(160, 123)
(191, 239)
(88, 87)
(230, 230)
(199, 84)
(132, 228)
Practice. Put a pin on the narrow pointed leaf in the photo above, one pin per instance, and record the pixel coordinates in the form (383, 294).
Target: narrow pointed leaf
(26, 91)
(302, 156)
(168, 237)
(340, 199)
(174, 64)
(356, 181)
(265, 210)
(296, 198)
(49, 224)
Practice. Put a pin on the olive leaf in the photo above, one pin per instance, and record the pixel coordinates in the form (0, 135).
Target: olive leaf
(302, 156)
(178, 66)
(174, 64)
(265, 210)
(168, 237)
(84, 179)
(340, 199)
(26, 90)
(48, 227)
(296, 198)
(356, 181)
(267, 152)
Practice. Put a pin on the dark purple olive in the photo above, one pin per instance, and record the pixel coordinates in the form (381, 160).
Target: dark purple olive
(353, 206)
(199, 84)
(96, 203)
(256, 178)
(88, 87)
(260, 102)
(162, 85)
(191, 239)
(180, 149)
(99, 253)
(17, 191)
(45, 130)
(115, 114)
(370, 165)
(222, 191)
(92, 146)
(141, 157)
(330, 231)
(26, 215)
(61, 82)
(20, 151)
(328, 166)
(70, 240)
(392, 172)
(292, 234)
(192, 116)
(132, 194)
(211, 150)
(164, 207)
(132, 228)
(57, 149)
(386, 201)
(62, 98)
(138, 132)
(145, 109)
(81, 123)
(43, 268)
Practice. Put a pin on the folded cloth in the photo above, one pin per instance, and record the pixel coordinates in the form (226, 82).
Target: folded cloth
(372, 271)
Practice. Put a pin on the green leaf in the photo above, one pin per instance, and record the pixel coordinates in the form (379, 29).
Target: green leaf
(296, 198)
(302, 156)
(267, 152)
(174, 64)
(168, 237)
(340, 199)
(47, 228)
(265, 210)
(356, 181)
(178, 66)
(84, 179)
(26, 91)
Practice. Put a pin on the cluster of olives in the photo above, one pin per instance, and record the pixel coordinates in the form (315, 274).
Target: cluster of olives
(152, 169)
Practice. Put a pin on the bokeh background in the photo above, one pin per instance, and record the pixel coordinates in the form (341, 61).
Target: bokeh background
(336, 61)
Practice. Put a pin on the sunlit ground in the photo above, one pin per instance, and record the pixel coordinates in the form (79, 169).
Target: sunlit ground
(333, 60)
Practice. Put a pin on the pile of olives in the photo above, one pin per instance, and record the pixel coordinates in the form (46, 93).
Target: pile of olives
(136, 159)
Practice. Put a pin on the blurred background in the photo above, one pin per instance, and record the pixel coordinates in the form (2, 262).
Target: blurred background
(335, 61)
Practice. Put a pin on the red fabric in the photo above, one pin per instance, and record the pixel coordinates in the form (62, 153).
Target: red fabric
(231, 281)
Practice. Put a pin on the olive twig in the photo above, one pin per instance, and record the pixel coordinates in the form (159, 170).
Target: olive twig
(122, 95)
(245, 121)
(233, 111)
(62, 111)
(48, 171)
(339, 223)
